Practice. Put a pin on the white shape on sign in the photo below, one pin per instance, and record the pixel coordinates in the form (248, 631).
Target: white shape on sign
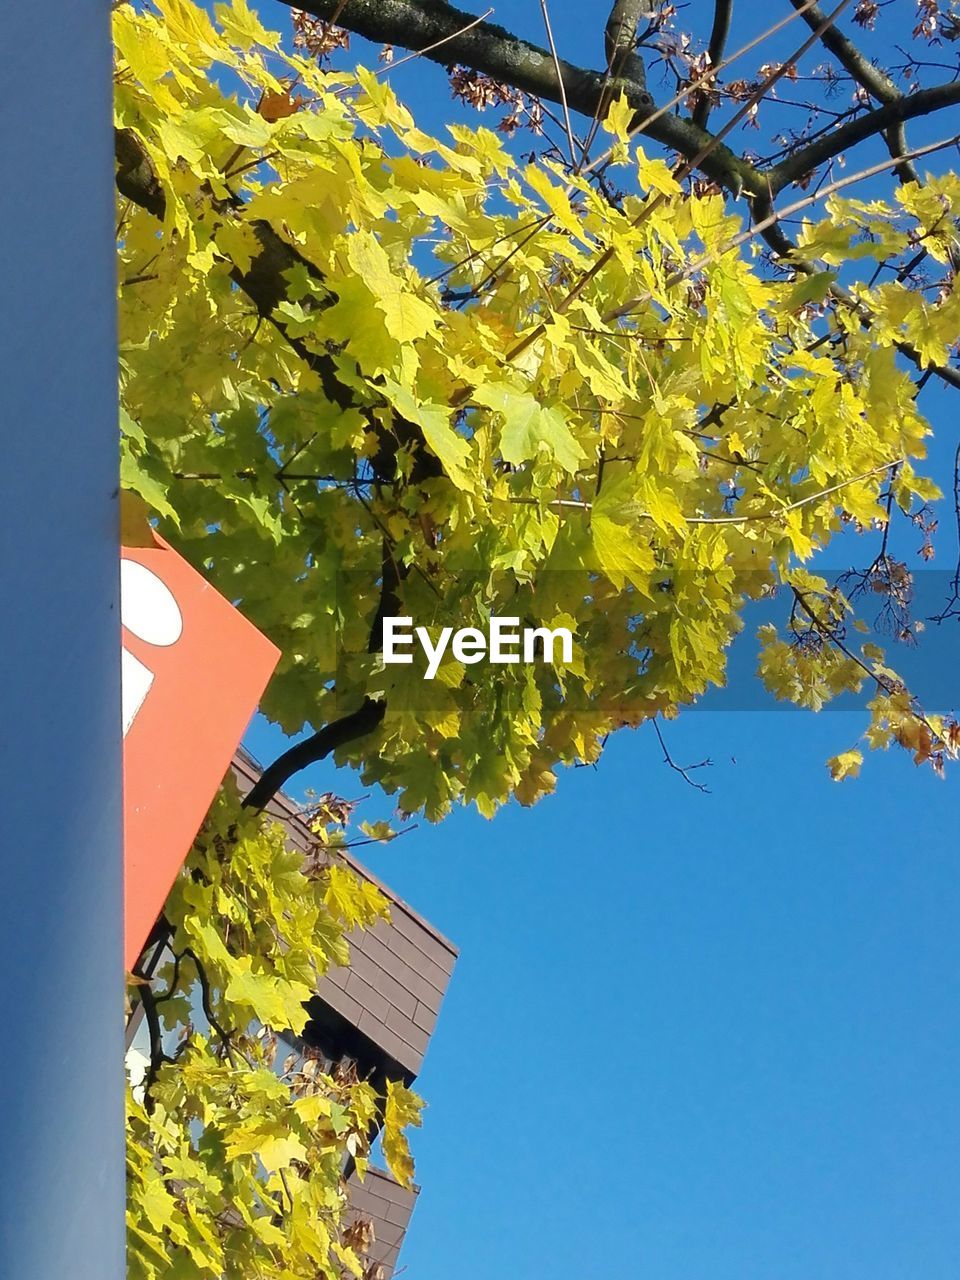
(148, 609)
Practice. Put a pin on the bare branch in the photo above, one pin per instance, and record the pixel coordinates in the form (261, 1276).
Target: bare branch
(349, 728)
(157, 1055)
(757, 517)
(867, 74)
(684, 770)
(317, 747)
(803, 162)
(206, 1001)
(722, 14)
(422, 53)
(563, 93)
(952, 608)
(136, 178)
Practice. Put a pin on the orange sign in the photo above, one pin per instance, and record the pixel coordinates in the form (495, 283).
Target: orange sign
(193, 671)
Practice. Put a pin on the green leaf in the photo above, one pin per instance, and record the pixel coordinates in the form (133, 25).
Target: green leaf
(809, 288)
(273, 1002)
(530, 429)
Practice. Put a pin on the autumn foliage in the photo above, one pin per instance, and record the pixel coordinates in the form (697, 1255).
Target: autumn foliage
(371, 372)
(368, 371)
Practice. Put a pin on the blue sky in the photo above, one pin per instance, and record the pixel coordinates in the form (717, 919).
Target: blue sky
(694, 1037)
(691, 1037)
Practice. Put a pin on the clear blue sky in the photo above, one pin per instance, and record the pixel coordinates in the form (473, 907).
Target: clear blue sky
(692, 1037)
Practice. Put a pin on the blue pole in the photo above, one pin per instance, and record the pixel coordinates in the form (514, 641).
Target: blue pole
(61, 1068)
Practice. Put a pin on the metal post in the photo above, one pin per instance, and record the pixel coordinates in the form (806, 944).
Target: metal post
(61, 1064)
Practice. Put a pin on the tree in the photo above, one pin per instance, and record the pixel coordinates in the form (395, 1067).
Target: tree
(367, 372)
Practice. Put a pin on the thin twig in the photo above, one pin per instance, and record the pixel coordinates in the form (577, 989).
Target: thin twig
(693, 85)
(420, 53)
(563, 92)
(359, 844)
(722, 14)
(476, 253)
(157, 1055)
(684, 770)
(206, 1002)
(561, 504)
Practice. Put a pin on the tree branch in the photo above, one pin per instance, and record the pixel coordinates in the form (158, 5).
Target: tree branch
(784, 247)
(922, 103)
(336, 734)
(157, 1055)
(684, 770)
(494, 51)
(136, 178)
(867, 74)
(443, 34)
(264, 283)
(568, 127)
(722, 14)
(206, 1001)
(485, 46)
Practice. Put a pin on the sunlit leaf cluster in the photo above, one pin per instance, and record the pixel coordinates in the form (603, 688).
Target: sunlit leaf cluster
(469, 384)
(238, 1140)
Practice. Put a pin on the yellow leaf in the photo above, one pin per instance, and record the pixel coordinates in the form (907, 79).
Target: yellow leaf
(280, 1153)
(147, 56)
(189, 24)
(621, 553)
(662, 506)
(402, 1109)
(618, 118)
(529, 427)
(407, 316)
(556, 200)
(243, 28)
(845, 765)
(656, 175)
